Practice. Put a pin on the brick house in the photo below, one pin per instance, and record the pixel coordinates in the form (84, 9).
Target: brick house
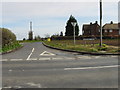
(111, 29)
(91, 30)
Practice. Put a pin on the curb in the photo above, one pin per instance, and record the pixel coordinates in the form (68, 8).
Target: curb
(12, 50)
(90, 53)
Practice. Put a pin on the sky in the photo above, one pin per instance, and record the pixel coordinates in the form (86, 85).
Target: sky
(50, 16)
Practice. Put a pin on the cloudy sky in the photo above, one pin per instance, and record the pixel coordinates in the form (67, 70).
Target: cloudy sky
(50, 17)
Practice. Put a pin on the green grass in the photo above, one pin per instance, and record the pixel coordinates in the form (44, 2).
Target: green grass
(10, 47)
(22, 41)
(68, 44)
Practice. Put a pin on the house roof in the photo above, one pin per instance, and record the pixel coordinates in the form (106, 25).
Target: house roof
(86, 26)
(110, 26)
(90, 26)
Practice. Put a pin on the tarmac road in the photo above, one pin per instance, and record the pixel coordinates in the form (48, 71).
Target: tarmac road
(36, 66)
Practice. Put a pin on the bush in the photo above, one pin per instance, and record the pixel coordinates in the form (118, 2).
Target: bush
(102, 49)
(94, 50)
(104, 45)
(7, 37)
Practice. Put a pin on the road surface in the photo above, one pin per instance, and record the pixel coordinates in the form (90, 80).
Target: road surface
(36, 66)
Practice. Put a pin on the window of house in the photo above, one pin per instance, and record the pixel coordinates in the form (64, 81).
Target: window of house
(99, 30)
(111, 31)
(83, 31)
(105, 30)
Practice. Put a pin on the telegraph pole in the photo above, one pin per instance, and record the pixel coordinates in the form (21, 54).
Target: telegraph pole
(100, 23)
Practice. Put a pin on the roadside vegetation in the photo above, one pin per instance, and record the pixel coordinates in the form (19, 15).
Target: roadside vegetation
(31, 41)
(8, 40)
(10, 47)
(87, 45)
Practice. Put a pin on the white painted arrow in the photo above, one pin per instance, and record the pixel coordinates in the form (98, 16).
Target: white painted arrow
(46, 53)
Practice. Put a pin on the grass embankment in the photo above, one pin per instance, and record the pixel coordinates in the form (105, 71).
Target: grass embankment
(10, 47)
(84, 46)
(15, 45)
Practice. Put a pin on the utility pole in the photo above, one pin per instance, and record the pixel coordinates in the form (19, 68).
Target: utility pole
(100, 23)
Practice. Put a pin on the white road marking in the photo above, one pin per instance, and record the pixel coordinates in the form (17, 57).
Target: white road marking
(98, 67)
(17, 87)
(97, 57)
(10, 70)
(30, 54)
(114, 56)
(16, 59)
(34, 85)
(32, 59)
(44, 58)
(33, 49)
(57, 58)
(46, 53)
(84, 57)
(4, 60)
(12, 87)
(7, 87)
(69, 58)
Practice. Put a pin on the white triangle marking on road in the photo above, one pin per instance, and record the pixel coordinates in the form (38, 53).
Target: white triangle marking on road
(46, 53)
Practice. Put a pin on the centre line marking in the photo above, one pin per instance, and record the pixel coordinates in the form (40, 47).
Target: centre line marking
(99, 67)
(30, 54)
(33, 49)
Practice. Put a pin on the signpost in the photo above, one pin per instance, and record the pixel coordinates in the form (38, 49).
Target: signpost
(74, 24)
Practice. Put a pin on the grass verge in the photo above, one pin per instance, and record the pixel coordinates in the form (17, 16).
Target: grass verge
(10, 47)
(31, 41)
(68, 44)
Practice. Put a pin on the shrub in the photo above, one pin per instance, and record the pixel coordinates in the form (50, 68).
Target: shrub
(102, 49)
(94, 50)
(104, 45)
(7, 37)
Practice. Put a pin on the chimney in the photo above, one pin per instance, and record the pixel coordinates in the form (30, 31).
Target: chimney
(96, 22)
(111, 22)
(90, 23)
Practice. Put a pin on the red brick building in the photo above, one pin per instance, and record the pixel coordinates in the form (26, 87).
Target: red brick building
(93, 30)
(89, 30)
(111, 29)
